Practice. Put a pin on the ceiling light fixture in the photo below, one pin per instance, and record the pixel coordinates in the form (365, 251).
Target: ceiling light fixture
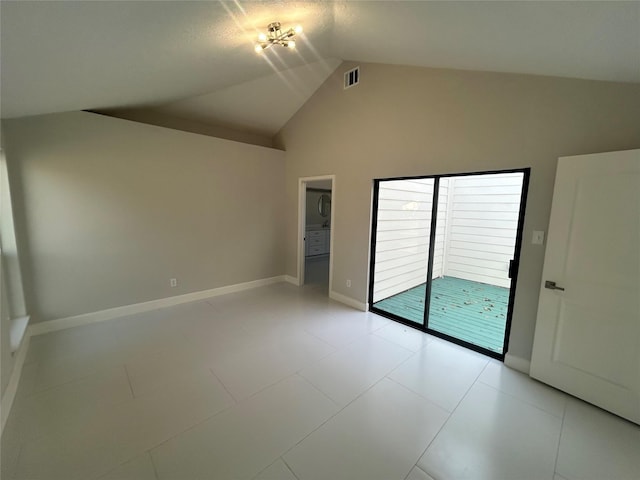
(275, 36)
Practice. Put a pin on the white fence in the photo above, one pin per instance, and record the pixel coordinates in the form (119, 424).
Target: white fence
(482, 228)
(402, 240)
(475, 230)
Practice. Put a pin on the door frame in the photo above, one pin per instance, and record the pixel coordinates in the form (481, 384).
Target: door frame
(513, 270)
(302, 221)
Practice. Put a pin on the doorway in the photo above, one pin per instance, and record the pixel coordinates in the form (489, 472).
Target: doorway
(315, 232)
(444, 254)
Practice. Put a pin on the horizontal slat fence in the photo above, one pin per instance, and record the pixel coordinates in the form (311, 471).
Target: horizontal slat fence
(402, 237)
(475, 230)
(484, 221)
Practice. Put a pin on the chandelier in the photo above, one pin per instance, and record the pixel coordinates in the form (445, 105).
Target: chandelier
(276, 36)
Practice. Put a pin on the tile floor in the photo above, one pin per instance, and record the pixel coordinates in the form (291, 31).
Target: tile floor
(316, 270)
(282, 383)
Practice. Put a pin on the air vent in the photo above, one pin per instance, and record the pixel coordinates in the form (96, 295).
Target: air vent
(352, 77)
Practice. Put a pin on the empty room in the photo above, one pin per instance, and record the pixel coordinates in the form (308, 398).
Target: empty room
(296, 240)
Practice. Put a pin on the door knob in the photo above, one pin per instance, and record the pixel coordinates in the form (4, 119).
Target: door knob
(552, 285)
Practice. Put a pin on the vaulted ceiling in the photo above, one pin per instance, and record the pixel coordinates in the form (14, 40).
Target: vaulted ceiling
(195, 59)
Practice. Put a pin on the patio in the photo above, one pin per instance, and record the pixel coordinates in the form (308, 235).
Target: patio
(471, 311)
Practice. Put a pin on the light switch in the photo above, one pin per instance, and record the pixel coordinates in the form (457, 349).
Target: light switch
(538, 237)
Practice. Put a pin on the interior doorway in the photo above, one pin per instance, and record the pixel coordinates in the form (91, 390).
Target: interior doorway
(315, 232)
(444, 254)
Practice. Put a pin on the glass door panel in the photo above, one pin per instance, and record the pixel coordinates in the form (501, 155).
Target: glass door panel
(476, 231)
(401, 247)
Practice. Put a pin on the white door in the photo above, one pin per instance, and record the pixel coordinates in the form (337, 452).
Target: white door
(587, 339)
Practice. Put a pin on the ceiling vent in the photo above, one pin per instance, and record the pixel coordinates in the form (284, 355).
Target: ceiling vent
(352, 77)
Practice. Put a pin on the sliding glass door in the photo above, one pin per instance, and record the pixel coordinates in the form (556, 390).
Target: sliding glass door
(402, 239)
(444, 254)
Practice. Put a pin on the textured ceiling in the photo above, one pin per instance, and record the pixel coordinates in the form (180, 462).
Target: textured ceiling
(582, 39)
(195, 59)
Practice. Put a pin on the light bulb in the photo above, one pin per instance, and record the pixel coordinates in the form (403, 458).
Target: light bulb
(262, 37)
(298, 29)
(291, 44)
(258, 48)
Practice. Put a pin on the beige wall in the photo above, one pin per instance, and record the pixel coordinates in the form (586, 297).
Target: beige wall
(419, 121)
(6, 358)
(107, 210)
(13, 275)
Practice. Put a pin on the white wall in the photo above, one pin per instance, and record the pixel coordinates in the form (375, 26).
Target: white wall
(484, 220)
(439, 257)
(402, 239)
(475, 230)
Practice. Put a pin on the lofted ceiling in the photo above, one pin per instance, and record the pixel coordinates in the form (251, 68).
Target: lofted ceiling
(195, 59)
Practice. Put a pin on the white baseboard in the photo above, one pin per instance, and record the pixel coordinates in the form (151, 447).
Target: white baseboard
(110, 313)
(12, 387)
(517, 363)
(292, 280)
(88, 318)
(348, 301)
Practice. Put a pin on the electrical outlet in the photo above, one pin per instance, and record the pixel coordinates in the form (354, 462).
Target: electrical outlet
(348, 283)
(173, 282)
(538, 237)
